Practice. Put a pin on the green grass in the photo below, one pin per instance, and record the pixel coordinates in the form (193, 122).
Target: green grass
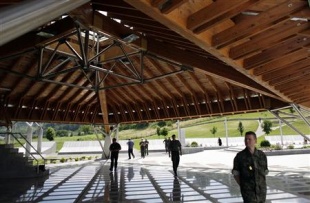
(203, 130)
(286, 130)
(197, 128)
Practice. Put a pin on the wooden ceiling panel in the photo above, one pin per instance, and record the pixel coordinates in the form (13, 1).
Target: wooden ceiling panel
(199, 58)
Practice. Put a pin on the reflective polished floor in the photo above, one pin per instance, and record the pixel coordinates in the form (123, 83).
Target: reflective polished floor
(135, 181)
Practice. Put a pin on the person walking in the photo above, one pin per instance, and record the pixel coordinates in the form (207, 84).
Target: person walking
(146, 147)
(250, 169)
(114, 149)
(175, 148)
(166, 144)
(130, 144)
(220, 142)
(142, 148)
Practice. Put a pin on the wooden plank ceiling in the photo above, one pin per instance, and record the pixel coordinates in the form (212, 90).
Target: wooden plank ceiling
(126, 61)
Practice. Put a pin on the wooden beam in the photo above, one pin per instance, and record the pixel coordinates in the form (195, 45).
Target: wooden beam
(223, 17)
(288, 46)
(280, 61)
(280, 74)
(211, 12)
(259, 22)
(171, 5)
(210, 66)
(104, 109)
(267, 39)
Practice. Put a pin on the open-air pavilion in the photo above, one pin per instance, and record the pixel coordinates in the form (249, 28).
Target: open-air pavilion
(107, 62)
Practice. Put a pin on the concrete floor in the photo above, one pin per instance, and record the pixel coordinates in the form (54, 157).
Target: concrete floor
(202, 177)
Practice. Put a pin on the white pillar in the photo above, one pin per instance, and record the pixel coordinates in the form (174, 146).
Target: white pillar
(40, 136)
(179, 131)
(106, 146)
(182, 137)
(226, 131)
(8, 136)
(181, 134)
(117, 131)
(29, 139)
(281, 134)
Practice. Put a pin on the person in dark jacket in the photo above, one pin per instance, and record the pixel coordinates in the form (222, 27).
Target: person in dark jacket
(114, 149)
(130, 144)
(175, 148)
(250, 170)
(142, 148)
(219, 141)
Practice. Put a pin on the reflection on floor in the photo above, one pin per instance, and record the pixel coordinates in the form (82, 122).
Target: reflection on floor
(137, 183)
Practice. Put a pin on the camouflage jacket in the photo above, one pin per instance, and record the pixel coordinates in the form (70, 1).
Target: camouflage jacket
(252, 171)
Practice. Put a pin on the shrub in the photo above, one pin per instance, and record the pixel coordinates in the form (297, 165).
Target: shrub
(164, 132)
(76, 159)
(50, 133)
(265, 143)
(161, 123)
(277, 147)
(62, 133)
(290, 146)
(194, 144)
(62, 160)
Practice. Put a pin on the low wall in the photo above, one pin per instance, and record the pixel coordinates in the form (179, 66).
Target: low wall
(287, 139)
(80, 147)
(287, 152)
(191, 150)
(46, 147)
(213, 142)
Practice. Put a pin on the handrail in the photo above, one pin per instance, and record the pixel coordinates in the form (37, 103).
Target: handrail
(44, 160)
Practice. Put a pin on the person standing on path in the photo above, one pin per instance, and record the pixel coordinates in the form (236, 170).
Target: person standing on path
(219, 141)
(142, 148)
(146, 147)
(114, 149)
(166, 145)
(250, 169)
(130, 144)
(175, 148)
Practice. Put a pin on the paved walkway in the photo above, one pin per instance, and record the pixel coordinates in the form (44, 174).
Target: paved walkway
(203, 177)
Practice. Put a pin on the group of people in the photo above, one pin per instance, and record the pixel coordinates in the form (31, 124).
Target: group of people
(249, 166)
(144, 148)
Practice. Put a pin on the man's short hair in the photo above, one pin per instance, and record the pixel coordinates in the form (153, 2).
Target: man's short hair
(173, 135)
(114, 139)
(251, 133)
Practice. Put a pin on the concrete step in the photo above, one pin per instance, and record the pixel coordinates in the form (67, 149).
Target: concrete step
(14, 165)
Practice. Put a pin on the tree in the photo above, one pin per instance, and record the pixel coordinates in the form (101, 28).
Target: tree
(213, 130)
(266, 125)
(158, 131)
(142, 125)
(161, 123)
(240, 128)
(50, 133)
(86, 129)
(164, 132)
(62, 133)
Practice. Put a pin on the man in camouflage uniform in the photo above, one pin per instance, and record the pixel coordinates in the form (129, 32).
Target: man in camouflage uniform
(250, 170)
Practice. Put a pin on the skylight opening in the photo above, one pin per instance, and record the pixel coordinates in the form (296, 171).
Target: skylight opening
(299, 19)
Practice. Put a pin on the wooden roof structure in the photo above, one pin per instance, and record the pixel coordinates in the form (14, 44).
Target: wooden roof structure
(126, 61)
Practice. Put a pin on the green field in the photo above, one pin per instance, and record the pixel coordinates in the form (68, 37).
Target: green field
(200, 128)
